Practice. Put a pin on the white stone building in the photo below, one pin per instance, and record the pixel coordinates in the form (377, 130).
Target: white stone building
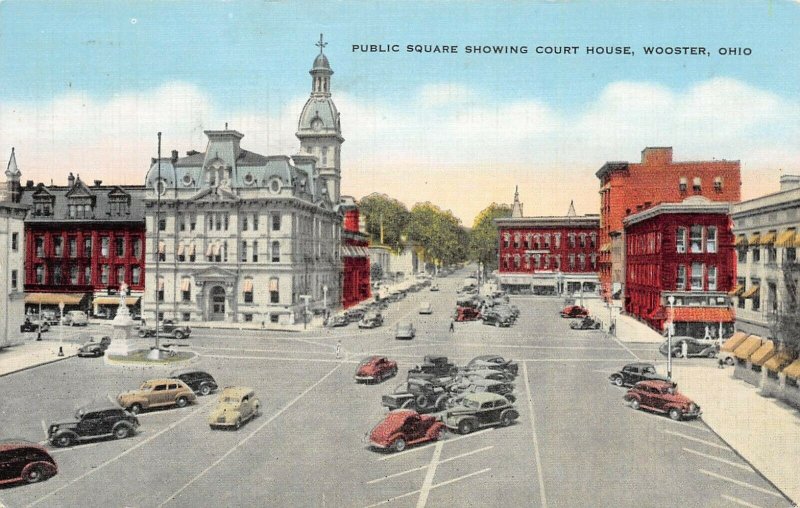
(12, 272)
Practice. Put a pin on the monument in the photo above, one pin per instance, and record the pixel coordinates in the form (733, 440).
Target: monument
(121, 344)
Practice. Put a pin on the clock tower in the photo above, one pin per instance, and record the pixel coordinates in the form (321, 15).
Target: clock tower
(319, 129)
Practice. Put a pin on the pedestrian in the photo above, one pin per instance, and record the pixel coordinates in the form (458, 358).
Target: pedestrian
(720, 363)
(452, 326)
(684, 349)
(707, 336)
(338, 348)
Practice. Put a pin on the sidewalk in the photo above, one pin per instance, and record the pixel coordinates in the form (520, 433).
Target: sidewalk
(765, 431)
(31, 353)
(628, 329)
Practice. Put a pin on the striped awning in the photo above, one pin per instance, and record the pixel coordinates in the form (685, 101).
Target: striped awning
(733, 342)
(769, 238)
(162, 247)
(702, 315)
(786, 239)
(192, 249)
(779, 361)
(741, 241)
(247, 287)
(606, 247)
(181, 249)
(750, 293)
(738, 290)
(354, 251)
(114, 300)
(748, 347)
(755, 239)
(763, 353)
(161, 284)
(793, 370)
(53, 298)
(273, 284)
(186, 284)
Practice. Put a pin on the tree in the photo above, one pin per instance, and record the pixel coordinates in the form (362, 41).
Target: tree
(483, 236)
(786, 329)
(381, 211)
(438, 232)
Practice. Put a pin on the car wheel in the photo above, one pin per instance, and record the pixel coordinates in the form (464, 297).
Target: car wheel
(712, 354)
(399, 445)
(729, 360)
(497, 324)
(142, 333)
(179, 334)
(407, 404)
(635, 403)
(506, 420)
(122, 432)
(34, 474)
(205, 389)
(135, 408)
(465, 427)
(64, 441)
(238, 424)
(181, 402)
(618, 381)
(675, 414)
(511, 398)
(257, 411)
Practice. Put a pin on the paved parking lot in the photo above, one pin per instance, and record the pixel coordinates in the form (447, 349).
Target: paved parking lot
(576, 442)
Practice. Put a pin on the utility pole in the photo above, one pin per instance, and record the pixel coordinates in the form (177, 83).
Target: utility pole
(158, 237)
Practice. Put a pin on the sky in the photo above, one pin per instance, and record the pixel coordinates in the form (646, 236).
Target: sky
(85, 86)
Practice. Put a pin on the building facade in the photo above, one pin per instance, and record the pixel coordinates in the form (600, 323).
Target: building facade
(768, 272)
(627, 188)
(12, 255)
(355, 255)
(246, 237)
(548, 255)
(685, 251)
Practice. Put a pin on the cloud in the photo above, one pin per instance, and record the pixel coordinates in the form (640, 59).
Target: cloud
(447, 143)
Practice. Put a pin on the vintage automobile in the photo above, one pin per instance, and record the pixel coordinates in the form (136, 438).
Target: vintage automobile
(371, 320)
(574, 311)
(403, 428)
(433, 367)
(476, 410)
(24, 461)
(467, 314)
(503, 388)
(76, 318)
(166, 329)
(425, 308)
(635, 372)
(33, 326)
(157, 393)
(201, 382)
(497, 375)
(497, 319)
(337, 320)
(405, 330)
(95, 349)
(662, 397)
(694, 347)
(236, 405)
(493, 362)
(102, 419)
(375, 368)
(587, 323)
(418, 394)
(434, 287)
(354, 315)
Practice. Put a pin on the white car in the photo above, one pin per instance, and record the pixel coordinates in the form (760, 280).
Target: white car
(76, 318)
(425, 308)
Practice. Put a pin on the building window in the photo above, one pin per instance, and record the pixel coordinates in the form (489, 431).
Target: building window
(136, 276)
(274, 295)
(255, 222)
(104, 243)
(160, 290)
(572, 240)
(225, 221)
(273, 318)
(712, 278)
(680, 240)
(516, 241)
(87, 247)
(224, 251)
(791, 254)
(57, 274)
(182, 222)
(248, 291)
(594, 261)
(697, 184)
(192, 250)
(186, 289)
(255, 252)
(39, 247)
(14, 280)
(718, 184)
(58, 246)
(517, 261)
(244, 223)
(276, 252)
(572, 259)
(120, 275)
(696, 239)
(192, 222)
(680, 279)
(72, 247)
(756, 255)
(697, 277)
(14, 241)
(104, 275)
(73, 275)
(276, 222)
(248, 318)
(582, 241)
(683, 185)
(756, 299)
(582, 261)
(161, 252)
(547, 241)
(120, 246)
(772, 296)
(40, 274)
(711, 240)
(162, 224)
(87, 275)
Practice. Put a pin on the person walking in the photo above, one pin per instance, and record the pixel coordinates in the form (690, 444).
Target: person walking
(338, 349)
(452, 326)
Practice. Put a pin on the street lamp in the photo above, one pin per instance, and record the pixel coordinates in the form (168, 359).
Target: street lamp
(671, 300)
(325, 299)
(61, 329)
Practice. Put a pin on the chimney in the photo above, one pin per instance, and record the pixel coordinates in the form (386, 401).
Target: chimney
(790, 182)
(653, 155)
(29, 184)
(98, 183)
(174, 156)
(71, 181)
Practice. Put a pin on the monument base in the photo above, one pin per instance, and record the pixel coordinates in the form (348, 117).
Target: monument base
(120, 347)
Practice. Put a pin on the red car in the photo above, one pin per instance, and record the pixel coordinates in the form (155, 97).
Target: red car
(375, 368)
(404, 427)
(662, 397)
(467, 314)
(574, 311)
(23, 461)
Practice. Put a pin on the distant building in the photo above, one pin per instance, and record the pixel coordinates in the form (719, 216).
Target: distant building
(12, 255)
(767, 239)
(355, 255)
(685, 251)
(547, 255)
(627, 188)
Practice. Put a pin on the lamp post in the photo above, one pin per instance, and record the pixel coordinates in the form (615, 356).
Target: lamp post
(61, 329)
(325, 299)
(611, 330)
(671, 300)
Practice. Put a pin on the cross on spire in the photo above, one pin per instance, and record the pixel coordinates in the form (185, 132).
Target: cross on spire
(320, 44)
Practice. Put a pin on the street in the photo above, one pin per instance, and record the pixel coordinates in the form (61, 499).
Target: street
(576, 443)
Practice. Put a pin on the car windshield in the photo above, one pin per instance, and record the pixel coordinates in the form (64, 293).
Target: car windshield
(230, 399)
(649, 370)
(365, 361)
(146, 387)
(470, 404)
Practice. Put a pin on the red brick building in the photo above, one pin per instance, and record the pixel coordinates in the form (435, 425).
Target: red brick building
(684, 250)
(627, 188)
(355, 256)
(549, 254)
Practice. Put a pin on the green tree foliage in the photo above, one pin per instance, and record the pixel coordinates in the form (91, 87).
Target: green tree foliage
(391, 213)
(483, 236)
(438, 232)
(786, 328)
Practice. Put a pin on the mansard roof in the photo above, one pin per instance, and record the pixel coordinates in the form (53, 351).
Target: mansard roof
(101, 196)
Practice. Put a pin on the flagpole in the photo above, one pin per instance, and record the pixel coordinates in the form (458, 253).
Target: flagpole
(158, 236)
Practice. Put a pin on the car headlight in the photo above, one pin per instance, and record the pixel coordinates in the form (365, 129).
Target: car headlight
(53, 428)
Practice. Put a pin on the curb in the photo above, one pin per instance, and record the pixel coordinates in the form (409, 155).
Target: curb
(29, 367)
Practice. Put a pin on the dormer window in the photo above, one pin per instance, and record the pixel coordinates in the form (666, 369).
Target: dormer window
(683, 185)
(43, 205)
(718, 184)
(119, 205)
(697, 184)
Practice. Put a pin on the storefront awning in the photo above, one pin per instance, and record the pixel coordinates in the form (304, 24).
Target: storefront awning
(748, 347)
(702, 315)
(750, 293)
(738, 290)
(114, 300)
(741, 241)
(764, 353)
(186, 284)
(53, 298)
(793, 370)
(786, 239)
(755, 239)
(354, 251)
(734, 342)
(247, 287)
(606, 247)
(768, 238)
(779, 361)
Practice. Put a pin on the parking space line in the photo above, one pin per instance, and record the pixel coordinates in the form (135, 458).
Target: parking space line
(742, 484)
(401, 496)
(249, 436)
(739, 501)
(281, 359)
(686, 424)
(395, 475)
(718, 459)
(449, 440)
(466, 454)
(113, 459)
(697, 440)
(448, 482)
(539, 474)
(626, 348)
(73, 448)
(426, 484)
(242, 350)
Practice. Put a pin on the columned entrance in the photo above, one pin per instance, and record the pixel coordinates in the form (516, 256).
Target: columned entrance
(216, 311)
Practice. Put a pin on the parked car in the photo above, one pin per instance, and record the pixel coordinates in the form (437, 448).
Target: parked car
(337, 320)
(95, 349)
(371, 320)
(497, 375)
(694, 347)
(157, 393)
(476, 410)
(51, 317)
(587, 323)
(433, 367)
(467, 314)
(24, 461)
(354, 315)
(635, 372)
(33, 326)
(167, 328)
(434, 287)
(76, 318)
(497, 319)
(574, 311)
(375, 368)
(425, 308)
(405, 330)
(493, 362)
(503, 388)
(662, 397)
(402, 428)
(92, 422)
(418, 394)
(237, 404)
(201, 382)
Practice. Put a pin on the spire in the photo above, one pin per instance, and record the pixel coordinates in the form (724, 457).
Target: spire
(321, 71)
(571, 211)
(516, 208)
(12, 170)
